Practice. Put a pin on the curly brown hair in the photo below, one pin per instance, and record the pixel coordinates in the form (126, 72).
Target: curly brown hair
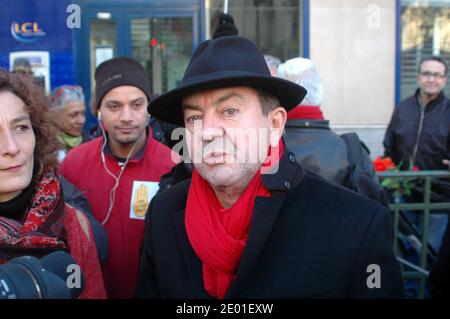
(37, 104)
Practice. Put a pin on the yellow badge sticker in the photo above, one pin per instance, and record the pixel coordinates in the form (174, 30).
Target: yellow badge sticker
(142, 194)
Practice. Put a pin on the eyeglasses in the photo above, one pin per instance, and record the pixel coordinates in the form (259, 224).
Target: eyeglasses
(436, 75)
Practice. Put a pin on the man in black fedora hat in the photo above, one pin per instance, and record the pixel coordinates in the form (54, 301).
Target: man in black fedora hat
(251, 223)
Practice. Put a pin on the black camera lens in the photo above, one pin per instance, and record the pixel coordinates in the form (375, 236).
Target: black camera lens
(16, 281)
(25, 278)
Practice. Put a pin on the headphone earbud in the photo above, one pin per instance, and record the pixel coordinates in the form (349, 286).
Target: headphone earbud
(99, 116)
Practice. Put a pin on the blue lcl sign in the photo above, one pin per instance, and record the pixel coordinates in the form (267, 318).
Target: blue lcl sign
(27, 32)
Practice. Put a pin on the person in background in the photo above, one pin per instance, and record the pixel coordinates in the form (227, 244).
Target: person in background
(34, 217)
(272, 63)
(67, 111)
(22, 66)
(119, 171)
(69, 114)
(316, 147)
(419, 135)
(160, 131)
(419, 130)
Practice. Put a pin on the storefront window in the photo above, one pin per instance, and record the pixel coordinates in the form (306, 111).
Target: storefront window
(274, 25)
(102, 43)
(425, 31)
(163, 46)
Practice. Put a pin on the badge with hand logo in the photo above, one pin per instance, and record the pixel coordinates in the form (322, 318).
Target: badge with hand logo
(140, 203)
(141, 196)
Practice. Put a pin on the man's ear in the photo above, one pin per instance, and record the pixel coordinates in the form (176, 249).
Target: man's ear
(277, 121)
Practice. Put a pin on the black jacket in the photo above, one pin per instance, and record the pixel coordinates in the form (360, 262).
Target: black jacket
(317, 149)
(433, 144)
(434, 135)
(311, 239)
(440, 274)
(320, 150)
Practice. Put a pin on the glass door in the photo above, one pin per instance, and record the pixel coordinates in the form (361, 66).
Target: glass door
(162, 38)
(163, 45)
(102, 43)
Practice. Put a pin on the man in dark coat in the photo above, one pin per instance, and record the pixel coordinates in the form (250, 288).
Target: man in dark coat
(340, 159)
(440, 274)
(255, 227)
(419, 134)
(419, 131)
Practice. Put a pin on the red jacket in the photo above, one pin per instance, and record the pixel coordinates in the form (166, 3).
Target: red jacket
(83, 167)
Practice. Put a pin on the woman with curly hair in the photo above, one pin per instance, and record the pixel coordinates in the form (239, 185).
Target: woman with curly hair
(34, 219)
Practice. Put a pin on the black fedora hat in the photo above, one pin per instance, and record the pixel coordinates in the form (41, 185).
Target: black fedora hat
(224, 62)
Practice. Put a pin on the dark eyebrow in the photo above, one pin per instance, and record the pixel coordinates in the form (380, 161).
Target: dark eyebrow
(20, 119)
(114, 102)
(110, 102)
(139, 99)
(191, 107)
(228, 96)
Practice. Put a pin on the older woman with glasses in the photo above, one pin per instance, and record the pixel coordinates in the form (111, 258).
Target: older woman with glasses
(34, 218)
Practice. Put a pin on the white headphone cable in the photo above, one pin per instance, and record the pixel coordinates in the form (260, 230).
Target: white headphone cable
(112, 193)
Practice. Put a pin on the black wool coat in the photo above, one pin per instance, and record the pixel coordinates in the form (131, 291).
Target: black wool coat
(440, 274)
(310, 239)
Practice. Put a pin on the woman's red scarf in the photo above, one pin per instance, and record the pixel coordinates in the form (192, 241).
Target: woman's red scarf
(218, 235)
(306, 112)
(50, 224)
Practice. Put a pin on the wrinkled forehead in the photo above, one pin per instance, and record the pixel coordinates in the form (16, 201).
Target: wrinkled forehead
(72, 106)
(11, 105)
(216, 96)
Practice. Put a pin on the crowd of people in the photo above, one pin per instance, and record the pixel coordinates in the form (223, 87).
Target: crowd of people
(260, 198)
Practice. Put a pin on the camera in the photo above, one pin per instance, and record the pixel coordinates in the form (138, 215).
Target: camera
(47, 278)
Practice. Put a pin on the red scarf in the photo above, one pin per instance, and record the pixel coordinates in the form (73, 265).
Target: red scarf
(306, 112)
(218, 235)
(50, 224)
(35, 232)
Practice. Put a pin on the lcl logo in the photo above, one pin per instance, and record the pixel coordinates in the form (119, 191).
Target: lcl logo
(26, 32)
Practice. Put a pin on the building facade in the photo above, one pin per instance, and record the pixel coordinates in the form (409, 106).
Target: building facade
(367, 51)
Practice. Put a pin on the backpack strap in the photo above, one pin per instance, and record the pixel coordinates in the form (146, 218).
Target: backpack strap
(359, 180)
(355, 158)
(354, 149)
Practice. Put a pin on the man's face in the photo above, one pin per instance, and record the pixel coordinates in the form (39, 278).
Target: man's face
(432, 78)
(71, 118)
(228, 134)
(124, 114)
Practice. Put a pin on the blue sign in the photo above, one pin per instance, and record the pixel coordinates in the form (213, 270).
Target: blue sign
(27, 32)
(38, 25)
